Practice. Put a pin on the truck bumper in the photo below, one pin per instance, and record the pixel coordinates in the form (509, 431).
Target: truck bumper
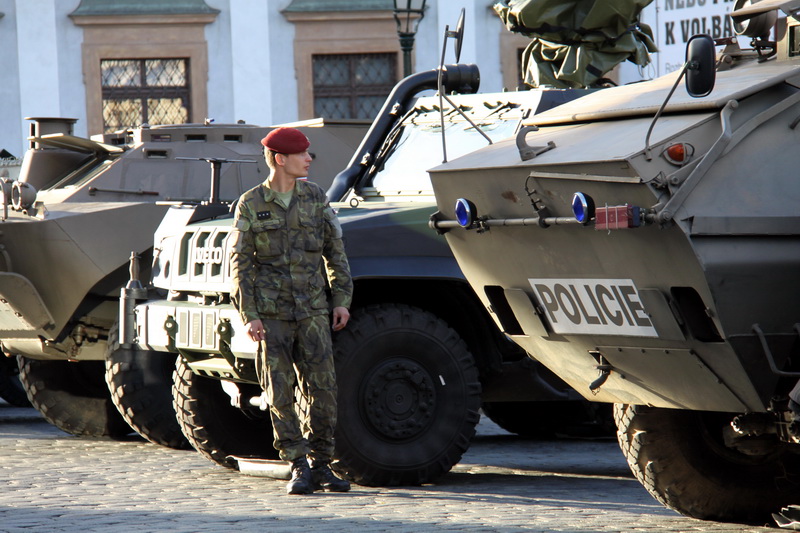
(167, 326)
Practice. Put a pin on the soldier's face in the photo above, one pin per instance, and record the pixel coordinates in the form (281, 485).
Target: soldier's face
(296, 165)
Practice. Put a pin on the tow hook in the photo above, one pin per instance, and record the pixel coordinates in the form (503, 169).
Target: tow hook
(782, 423)
(753, 424)
(605, 371)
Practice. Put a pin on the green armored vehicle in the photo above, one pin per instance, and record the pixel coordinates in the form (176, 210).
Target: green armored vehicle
(69, 224)
(653, 263)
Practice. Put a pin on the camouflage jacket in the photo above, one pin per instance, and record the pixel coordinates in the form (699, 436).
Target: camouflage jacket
(277, 255)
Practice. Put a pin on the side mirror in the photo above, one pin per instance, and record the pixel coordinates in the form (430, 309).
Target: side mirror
(459, 34)
(700, 75)
(700, 65)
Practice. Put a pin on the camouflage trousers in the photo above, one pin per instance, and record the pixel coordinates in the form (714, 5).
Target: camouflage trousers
(297, 357)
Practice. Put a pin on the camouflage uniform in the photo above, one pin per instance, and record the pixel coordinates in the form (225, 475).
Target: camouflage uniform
(277, 270)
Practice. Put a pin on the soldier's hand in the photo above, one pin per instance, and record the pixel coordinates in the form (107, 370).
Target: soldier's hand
(340, 317)
(255, 330)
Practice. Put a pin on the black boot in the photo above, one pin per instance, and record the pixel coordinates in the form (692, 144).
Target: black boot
(301, 482)
(325, 479)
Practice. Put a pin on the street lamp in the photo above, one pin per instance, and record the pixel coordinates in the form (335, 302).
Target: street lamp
(407, 15)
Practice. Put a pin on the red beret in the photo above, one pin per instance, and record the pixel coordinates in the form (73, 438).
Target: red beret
(286, 141)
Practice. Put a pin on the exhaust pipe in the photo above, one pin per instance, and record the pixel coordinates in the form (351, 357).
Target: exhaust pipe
(129, 295)
(461, 78)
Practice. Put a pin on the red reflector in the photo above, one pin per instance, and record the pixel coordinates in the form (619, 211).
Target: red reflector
(617, 217)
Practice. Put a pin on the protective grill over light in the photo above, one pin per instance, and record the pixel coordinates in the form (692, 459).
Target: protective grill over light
(466, 213)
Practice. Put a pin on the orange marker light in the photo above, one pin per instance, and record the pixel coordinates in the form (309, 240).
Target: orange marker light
(678, 153)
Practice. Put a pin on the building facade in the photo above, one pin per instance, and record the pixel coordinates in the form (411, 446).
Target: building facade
(117, 63)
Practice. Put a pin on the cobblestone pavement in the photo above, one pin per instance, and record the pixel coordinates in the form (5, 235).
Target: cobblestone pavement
(53, 482)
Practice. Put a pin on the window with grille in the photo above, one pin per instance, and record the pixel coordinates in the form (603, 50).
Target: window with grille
(352, 85)
(139, 91)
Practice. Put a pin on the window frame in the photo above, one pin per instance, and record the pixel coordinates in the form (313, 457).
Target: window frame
(346, 32)
(353, 91)
(145, 92)
(143, 37)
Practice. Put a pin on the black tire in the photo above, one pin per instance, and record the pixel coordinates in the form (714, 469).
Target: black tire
(215, 428)
(73, 397)
(408, 397)
(680, 458)
(140, 382)
(11, 389)
(575, 418)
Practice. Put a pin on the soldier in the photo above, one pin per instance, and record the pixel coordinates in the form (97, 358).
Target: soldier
(285, 228)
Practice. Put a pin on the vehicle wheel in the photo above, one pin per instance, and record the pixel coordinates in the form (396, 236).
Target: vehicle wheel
(73, 397)
(215, 428)
(408, 396)
(140, 382)
(11, 389)
(681, 459)
(574, 418)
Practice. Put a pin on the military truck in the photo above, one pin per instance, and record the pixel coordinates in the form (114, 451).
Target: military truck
(69, 224)
(419, 357)
(650, 251)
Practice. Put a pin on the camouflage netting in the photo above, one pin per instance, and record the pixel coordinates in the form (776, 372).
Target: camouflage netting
(575, 43)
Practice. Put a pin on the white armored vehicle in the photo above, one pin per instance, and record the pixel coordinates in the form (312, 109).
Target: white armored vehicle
(646, 249)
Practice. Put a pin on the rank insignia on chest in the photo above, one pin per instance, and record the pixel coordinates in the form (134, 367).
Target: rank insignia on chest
(264, 215)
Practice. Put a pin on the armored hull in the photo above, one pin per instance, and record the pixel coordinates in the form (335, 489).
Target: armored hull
(82, 206)
(69, 226)
(643, 244)
(678, 309)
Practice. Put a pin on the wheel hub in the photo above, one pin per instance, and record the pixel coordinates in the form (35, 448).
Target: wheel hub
(399, 399)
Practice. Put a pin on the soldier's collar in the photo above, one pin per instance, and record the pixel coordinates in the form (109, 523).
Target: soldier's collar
(269, 194)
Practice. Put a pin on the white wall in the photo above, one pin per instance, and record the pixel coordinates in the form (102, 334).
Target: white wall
(489, 27)
(281, 64)
(72, 89)
(221, 96)
(251, 64)
(9, 87)
(251, 48)
(39, 88)
(40, 60)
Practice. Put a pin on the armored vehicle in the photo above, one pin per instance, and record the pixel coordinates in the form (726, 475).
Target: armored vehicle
(653, 264)
(69, 224)
(420, 355)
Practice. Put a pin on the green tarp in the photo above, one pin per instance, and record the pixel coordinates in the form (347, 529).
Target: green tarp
(575, 43)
